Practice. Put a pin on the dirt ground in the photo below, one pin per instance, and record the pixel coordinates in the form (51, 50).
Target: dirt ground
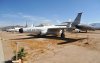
(75, 48)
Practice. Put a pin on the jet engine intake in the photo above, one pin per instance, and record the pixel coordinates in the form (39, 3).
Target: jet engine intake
(21, 30)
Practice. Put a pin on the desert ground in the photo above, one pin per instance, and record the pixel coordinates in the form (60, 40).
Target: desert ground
(75, 48)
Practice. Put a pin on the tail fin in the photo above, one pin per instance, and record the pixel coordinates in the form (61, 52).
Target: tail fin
(77, 20)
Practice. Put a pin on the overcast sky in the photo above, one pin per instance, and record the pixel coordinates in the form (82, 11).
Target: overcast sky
(17, 12)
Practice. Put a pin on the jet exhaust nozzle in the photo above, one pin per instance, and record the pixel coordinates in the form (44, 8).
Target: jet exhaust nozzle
(21, 30)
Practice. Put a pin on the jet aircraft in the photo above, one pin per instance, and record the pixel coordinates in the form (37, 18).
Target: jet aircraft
(52, 29)
(83, 27)
(76, 25)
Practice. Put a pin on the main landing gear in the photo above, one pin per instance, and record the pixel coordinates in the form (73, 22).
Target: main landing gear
(62, 34)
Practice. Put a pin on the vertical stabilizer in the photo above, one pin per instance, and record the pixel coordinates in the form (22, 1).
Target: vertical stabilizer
(77, 20)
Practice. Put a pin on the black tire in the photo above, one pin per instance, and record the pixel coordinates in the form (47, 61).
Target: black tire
(62, 35)
(39, 35)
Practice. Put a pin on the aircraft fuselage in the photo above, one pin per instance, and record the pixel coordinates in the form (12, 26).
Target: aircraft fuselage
(44, 30)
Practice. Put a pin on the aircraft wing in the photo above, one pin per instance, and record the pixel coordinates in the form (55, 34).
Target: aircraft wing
(57, 29)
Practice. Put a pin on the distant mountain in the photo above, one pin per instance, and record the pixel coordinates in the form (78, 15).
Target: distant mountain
(96, 25)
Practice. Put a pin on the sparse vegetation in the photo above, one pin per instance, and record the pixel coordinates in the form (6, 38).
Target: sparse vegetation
(20, 54)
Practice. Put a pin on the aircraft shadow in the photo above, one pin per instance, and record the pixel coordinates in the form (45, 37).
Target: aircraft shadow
(22, 38)
(70, 40)
(66, 40)
(35, 37)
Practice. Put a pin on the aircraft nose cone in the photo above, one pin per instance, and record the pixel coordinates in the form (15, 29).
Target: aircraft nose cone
(21, 30)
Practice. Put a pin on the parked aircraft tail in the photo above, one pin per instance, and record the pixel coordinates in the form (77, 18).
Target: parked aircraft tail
(77, 20)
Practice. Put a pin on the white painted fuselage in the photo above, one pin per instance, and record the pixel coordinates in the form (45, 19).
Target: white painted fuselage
(44, 30)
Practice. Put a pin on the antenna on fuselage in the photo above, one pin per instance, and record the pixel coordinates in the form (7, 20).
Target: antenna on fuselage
(26, 24)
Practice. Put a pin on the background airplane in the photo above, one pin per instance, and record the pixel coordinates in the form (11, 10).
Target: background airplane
(16, 29)
(96, 26)
(75, 25)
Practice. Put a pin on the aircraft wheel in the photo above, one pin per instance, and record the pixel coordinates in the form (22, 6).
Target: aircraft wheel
(62, 35)
(86, 31)
(79, 31)
(39, 35)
